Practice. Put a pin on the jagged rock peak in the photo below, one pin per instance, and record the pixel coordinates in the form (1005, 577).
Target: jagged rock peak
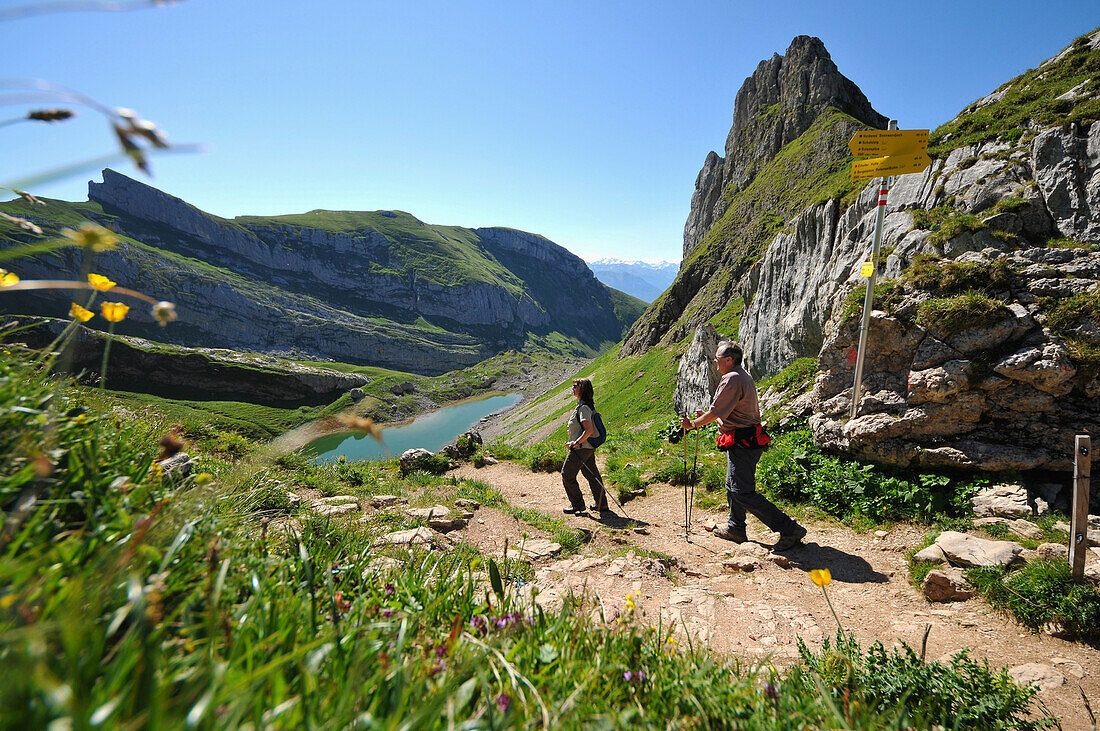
(774, 106)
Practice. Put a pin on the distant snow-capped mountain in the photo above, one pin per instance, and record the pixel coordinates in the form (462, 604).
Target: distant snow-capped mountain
(646, 280)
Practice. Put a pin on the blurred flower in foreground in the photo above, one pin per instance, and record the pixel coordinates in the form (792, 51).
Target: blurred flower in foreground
(91, 236)
(100, 282)
(358, 423)
(79, 313)
(22, 223)
(113, 311)
(7, 278)
(50, 115)
(164, 312)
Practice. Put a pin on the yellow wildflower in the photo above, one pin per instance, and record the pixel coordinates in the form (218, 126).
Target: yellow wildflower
(79, 313)
(164, 312)
(113, 311)
(91, 236)
(100, 282)
(821, 577)
(156, 470)
(7, 278)
(671, 640)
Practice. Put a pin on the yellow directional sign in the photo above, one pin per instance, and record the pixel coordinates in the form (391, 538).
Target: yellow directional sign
(881, 167)
(875, 142)
(866, 269)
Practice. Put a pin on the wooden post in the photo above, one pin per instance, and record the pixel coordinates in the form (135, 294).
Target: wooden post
(1079, 521)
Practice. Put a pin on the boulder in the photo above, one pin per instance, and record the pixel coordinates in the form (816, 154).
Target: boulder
(412, 537)
(467, 504)
(357, 394)
(932, 553)
(1001, 501)
(739, 564)
(1044, 676)
(1025, 528)
(403, 388)
(414, 459)
(1053, 552)
(966, 550)
(437, 511)
(697, 376)
(387, 501)
(946, 585)
(331, 510)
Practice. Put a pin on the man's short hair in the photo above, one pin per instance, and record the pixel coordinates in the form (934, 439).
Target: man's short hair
(732, 349)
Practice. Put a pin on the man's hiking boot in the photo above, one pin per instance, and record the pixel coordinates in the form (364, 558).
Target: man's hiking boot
(572, 510)
(788, 541)
(737, 536)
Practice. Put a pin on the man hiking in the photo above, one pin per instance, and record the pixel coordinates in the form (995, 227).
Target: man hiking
(736, 408)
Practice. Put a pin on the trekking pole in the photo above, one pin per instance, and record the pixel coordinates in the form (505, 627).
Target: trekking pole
(606, 493)
(687, 517)
(694, 475)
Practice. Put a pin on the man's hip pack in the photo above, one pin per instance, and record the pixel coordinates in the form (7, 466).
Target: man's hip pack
(744, 437)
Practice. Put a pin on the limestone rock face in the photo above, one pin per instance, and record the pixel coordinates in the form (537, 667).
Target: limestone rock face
(774, 106)
(696, 376)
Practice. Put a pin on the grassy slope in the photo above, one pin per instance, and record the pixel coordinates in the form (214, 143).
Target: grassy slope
(1030, 99)
(445, 255)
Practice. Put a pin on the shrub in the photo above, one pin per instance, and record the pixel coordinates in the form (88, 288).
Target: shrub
(954, 314)
(794, 469)
(945, 223)
(952, 277)
(958, 693)
(888, 295)
(1042, 593)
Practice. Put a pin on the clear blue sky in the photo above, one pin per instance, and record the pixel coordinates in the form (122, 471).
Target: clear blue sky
(581, 120)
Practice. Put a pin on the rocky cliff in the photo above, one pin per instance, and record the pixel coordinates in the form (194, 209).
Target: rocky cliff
(379, 288)
(787, 149)
(983, 350)
(774, 107)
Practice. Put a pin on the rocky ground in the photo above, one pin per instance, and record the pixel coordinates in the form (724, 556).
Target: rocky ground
(754, 603)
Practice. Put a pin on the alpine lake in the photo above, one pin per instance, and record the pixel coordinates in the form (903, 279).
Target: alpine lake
(429, 431)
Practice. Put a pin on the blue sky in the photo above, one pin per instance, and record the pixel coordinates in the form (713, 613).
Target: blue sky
(584, 121)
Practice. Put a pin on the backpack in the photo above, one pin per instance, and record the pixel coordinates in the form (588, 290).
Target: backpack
(601, 431)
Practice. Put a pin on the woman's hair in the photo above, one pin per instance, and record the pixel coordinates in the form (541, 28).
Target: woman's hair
(586, 391)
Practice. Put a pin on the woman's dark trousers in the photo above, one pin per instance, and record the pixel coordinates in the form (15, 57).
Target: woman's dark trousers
(582, 460)
(742, 495)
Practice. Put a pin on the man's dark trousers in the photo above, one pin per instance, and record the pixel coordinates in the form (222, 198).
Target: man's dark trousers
(742, 495)
(582, 459)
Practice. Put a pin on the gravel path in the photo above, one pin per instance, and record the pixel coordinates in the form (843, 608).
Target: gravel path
(760, 613)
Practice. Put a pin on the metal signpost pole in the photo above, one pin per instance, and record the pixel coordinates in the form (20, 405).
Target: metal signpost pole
(869, 297)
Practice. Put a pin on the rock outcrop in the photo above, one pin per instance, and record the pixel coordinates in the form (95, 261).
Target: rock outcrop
(696, 376)
(779, 102)
(792, 121)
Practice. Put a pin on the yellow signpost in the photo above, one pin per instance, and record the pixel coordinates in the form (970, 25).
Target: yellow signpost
(875, 142)
(896, 152)
(879, 167)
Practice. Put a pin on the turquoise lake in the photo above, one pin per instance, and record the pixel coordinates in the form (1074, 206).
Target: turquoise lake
(430, 431)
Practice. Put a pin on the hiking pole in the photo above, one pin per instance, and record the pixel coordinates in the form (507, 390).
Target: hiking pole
(694, 475)
(687, 516)
(606, 493)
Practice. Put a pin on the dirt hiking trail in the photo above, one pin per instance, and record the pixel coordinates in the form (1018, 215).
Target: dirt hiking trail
(758, 611)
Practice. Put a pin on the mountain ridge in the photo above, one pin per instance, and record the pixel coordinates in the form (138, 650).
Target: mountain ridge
(380, 288)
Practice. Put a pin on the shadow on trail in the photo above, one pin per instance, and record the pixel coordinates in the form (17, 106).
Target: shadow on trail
(844, 567)
(611, 519)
